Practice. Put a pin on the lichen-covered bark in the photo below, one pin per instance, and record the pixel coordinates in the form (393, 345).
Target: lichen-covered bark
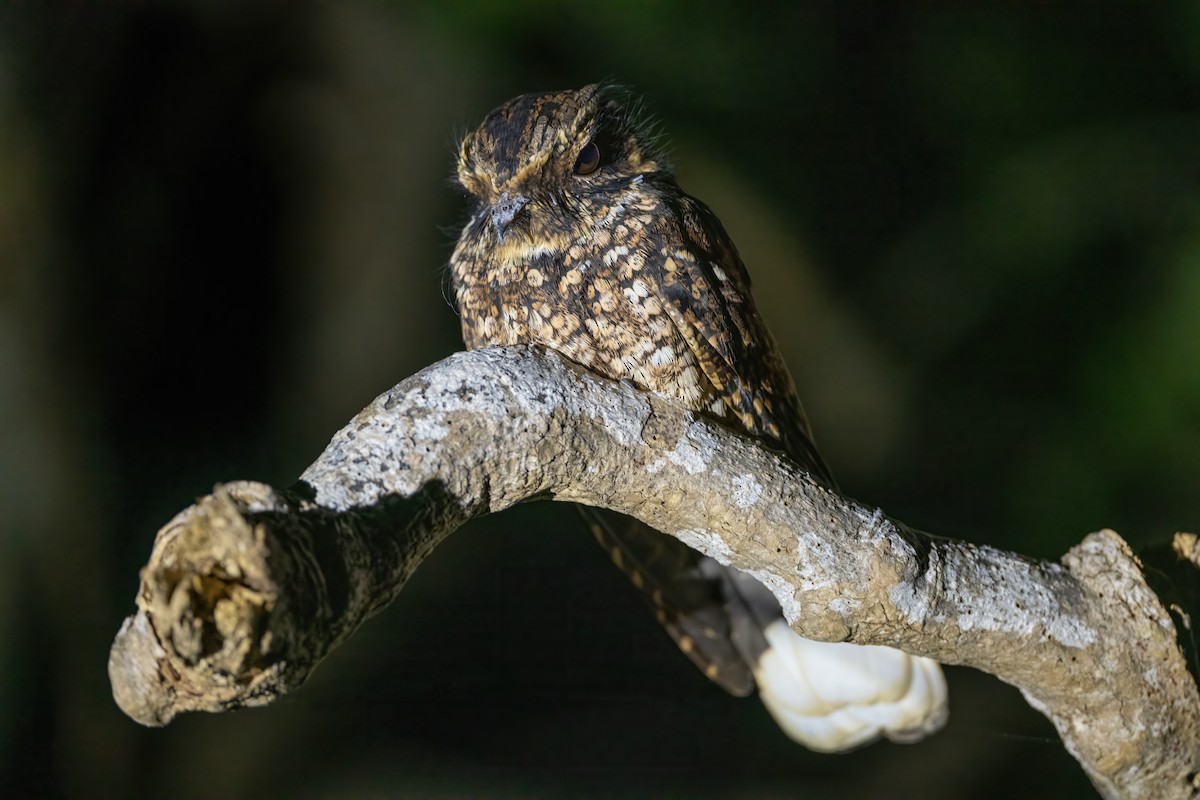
(248, 589)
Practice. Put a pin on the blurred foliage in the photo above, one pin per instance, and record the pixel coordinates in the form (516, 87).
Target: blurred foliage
(975, 229)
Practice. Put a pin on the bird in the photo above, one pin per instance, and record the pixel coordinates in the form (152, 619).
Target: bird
(580, 240)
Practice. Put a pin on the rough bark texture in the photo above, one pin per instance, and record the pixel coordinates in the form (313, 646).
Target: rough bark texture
(248, 589)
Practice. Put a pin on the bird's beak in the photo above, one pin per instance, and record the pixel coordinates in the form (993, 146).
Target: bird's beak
(505, 210)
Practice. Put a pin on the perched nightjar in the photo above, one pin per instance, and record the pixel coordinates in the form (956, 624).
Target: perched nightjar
(582, 241)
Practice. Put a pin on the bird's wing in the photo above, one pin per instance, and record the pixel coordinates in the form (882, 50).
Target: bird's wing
(706, 292)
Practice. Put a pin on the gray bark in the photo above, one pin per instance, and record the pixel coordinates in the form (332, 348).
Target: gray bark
(248, 589)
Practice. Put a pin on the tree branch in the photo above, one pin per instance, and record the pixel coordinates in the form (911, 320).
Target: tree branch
(248, 589)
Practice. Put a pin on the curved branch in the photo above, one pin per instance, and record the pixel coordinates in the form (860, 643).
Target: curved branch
(248, 589)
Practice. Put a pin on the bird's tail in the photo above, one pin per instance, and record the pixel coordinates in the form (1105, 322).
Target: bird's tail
(829, 697)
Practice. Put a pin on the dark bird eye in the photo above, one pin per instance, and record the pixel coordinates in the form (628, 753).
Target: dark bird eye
(589, 159)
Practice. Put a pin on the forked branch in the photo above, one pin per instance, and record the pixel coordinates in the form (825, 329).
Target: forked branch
(248, 589)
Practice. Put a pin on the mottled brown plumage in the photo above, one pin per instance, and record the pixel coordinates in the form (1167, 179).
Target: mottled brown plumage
(582, 241)
(618, 269)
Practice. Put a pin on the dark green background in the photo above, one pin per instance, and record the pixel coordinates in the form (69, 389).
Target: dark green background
(974, 227)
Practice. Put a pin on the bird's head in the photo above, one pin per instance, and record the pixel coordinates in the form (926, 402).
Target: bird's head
(541, 164)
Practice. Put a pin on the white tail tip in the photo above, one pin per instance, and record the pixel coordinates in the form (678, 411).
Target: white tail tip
(835, 696)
